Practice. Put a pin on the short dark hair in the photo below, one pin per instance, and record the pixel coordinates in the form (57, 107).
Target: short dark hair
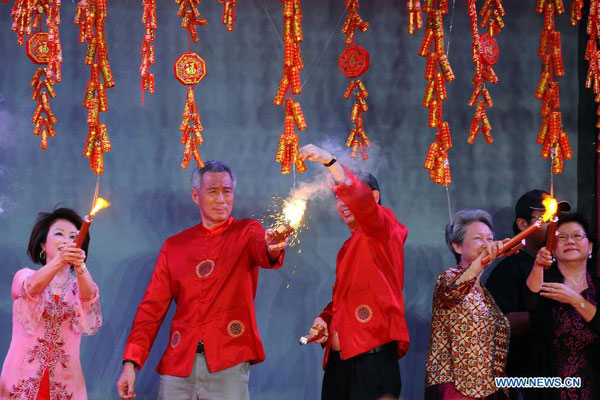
(369, 180)
(581, 220)
(211, 166)
(40, 229)
(457, 227)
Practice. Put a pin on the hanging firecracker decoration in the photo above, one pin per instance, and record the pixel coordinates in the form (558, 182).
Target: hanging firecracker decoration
(353, 62)
(229, 13)
(148, 59)
(492, 13)
(484, 52)
(190, 17)
(42, 48)
(415, 18)
(437, 72)
(190, 69)
(90, 16)
(287, 150)
(592, 51)
(37, 51)
(551, 135)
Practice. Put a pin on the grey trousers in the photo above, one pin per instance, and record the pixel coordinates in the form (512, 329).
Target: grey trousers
(228, 384)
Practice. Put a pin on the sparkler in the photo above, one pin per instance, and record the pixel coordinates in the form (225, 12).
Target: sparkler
(510, 247)
(286, 217)
(87, 220)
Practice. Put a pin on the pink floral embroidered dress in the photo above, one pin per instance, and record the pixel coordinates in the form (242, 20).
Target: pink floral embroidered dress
(45, 340)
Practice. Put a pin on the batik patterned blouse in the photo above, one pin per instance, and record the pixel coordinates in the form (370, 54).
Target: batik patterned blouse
(45, 338)
(469, 336)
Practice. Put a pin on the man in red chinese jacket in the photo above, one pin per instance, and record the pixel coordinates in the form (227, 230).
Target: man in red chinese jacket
(210, 270)
(364, 324)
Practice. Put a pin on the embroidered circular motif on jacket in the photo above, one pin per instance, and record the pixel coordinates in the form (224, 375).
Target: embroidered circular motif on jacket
(235, 328)
(205, 268)
(175, 339)
(363, 313)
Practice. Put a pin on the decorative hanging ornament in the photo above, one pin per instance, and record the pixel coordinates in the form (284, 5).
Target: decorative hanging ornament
(190, 69)
(91, 16)
(229, 13)
(554, 141)
(484, 53)
(42, 48)
(354, 61)
(437, 72)
(287, 149)
(415, 18)
(489, 49)
(38, 49)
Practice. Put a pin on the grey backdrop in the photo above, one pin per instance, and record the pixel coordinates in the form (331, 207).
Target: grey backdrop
(150, 192)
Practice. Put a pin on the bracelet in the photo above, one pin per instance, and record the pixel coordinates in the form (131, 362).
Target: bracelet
(331, 162)
(81, 270)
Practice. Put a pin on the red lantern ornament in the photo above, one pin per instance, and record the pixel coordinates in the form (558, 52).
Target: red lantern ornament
(354, 61)
(190, 69)
(489, 49)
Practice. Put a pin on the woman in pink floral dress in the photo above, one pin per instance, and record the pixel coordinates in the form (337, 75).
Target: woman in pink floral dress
(52, 307)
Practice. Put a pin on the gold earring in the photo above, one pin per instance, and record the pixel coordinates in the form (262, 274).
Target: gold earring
(42, 254)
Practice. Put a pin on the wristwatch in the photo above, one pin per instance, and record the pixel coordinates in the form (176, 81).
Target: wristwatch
(331, 162)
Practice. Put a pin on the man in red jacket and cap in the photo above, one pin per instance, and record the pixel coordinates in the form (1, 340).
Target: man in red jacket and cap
(210, 270)
(364, 328)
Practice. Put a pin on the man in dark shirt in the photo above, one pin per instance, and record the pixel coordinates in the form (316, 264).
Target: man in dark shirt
(506, 281)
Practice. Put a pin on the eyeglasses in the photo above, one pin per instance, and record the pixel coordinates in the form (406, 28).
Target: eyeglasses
(563, 237)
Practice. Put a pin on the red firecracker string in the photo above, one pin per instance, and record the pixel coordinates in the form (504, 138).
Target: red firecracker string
(415, 18)
(437, 72)
(190, 69)
(484, 51)
(42, 48)
(551, 135)
(90, 16)
(353, 62)
(592, 51)
(229, 13)
(149, 20)
(287, 149)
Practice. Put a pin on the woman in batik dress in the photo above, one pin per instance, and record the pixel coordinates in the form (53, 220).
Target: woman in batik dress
(52, 307)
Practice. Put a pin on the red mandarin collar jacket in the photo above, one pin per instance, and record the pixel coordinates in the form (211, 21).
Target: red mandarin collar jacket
(212, 277)
(367, 308)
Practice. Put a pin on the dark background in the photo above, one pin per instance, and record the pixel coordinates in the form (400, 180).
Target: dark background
(150, 192)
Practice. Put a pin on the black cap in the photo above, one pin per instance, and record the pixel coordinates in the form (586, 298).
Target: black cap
(532, 200)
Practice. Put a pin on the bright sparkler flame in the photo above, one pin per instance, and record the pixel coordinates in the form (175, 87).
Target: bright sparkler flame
(293, 211)
(287, 212)
(99, 205)
(551, 206)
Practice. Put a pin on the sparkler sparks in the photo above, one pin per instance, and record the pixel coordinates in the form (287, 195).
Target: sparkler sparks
(288, 212)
